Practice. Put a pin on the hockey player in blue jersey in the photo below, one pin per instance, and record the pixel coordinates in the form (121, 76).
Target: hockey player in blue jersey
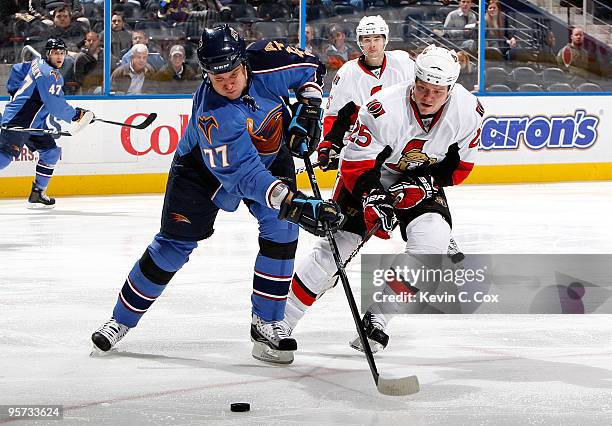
(237, 147)
(36, 90)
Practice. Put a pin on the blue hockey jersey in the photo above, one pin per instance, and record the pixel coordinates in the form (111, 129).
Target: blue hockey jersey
(37, 91)
(239, 142)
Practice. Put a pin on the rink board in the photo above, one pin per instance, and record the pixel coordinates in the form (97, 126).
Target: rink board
(525, 139)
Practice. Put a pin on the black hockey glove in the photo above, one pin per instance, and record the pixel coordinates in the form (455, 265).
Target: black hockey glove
(378, 208)
(329, 155)
(411, 191)
(305, 129)
(312, 214)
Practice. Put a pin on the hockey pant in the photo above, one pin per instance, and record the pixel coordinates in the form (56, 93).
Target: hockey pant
(427, 234)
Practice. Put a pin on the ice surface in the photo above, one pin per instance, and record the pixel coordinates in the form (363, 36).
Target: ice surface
(189, 358)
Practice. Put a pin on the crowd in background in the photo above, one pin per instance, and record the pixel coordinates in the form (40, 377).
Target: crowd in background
(153, 42)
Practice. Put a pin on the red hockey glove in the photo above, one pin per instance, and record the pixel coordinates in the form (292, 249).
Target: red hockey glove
(411, 191)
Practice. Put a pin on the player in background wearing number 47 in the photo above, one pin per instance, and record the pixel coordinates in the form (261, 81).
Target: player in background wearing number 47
(409, 141)
(36, 90)
(237, 147)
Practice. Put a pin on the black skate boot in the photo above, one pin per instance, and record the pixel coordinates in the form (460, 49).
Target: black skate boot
(107, 336)
(39, 199)
(374, 325)
(271, 341)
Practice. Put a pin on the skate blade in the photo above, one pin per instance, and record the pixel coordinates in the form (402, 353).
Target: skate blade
(96, 352)
(265, 353)
(374, 346)
(38, 206)
(398, 387)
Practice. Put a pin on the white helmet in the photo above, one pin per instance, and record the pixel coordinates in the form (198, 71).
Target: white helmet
(437, 65)
(372, 25)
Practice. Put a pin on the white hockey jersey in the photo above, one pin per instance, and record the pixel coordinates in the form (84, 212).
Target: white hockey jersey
(355, 83)
(391, 117)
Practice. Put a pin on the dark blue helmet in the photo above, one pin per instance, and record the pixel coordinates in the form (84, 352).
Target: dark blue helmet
(55, 43)
(221, 49)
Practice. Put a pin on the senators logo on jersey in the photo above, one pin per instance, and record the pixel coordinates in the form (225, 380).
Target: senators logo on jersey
(412, 157)
(375, 108)
(267, 137)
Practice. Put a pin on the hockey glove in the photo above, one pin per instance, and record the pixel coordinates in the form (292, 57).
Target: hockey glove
(312, 214)
(305, 129)
(411, 191)
(378, 208)
(329, 155)
(81, 119)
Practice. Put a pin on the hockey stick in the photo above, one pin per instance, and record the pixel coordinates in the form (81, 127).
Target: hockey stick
(386, 386)
(31, 129)
(146, 123)
(301, 170)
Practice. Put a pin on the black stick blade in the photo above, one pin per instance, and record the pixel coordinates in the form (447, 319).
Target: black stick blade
(147, 122)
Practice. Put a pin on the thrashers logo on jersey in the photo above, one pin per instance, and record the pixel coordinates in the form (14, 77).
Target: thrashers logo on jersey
(375, 108)
(412, 156)
(267, 137)
(177, 217)
(206, 124)
(56, 75)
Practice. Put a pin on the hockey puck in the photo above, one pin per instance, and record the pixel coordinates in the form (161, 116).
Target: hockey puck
(239, 407)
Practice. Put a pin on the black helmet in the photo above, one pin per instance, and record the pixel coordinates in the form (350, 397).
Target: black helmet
(55, 43)
(221, 49)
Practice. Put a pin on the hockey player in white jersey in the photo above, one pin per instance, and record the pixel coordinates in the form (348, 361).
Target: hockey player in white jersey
(409, 142)
(356, 81)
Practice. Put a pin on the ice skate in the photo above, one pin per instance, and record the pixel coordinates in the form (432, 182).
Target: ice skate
(107, 337)
(39, 199)
(272, 341)
(374, 325)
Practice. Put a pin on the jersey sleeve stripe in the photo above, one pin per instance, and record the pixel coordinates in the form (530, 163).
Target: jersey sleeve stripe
(462, 172)
(286, 67)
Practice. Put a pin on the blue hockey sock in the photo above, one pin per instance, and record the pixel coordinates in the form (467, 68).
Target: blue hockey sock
(45, 166)
(272, 278)
(148, 278)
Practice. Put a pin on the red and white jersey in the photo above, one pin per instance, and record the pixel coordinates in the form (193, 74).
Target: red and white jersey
(391, 118)
(355, 83)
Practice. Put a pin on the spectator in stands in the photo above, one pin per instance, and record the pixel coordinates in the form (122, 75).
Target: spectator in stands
(468, 77)
(573, 56)
(65, 28)
(460, 25)
(88, 66)
(173, 11)
(309, 47)
(121, 39)
(548, 51)
(155, 59)
(497, 30)
(339, 51)
(129, 8)
(177, 76)
(135, 76)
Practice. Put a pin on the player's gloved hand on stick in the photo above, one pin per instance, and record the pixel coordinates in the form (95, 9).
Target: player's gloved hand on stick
(81, 119)
(305, 129)
(411, 191)
(329, 155)
(312, 214)
(378, 207)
